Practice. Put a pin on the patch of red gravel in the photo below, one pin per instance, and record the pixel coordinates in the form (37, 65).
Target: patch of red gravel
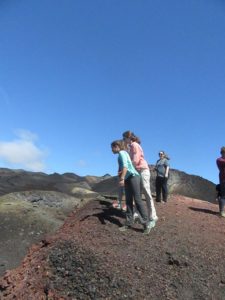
(183, 257)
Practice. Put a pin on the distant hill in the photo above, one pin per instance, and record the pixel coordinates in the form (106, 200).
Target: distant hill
(179, 183)
(20, 180)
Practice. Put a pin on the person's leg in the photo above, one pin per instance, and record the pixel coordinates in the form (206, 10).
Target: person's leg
(158, 188)
(120, 196)
(145, 183)
(222, 199)
(165, 189)
(221, 205)
(129, 203)
(136, 189)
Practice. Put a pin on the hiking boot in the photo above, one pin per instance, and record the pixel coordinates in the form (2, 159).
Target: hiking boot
(124, 228)
(222, 214)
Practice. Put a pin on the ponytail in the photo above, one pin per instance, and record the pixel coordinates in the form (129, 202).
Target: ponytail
(130, 135)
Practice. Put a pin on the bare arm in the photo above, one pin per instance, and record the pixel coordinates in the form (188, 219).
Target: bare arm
(122, 176)
(167, 171)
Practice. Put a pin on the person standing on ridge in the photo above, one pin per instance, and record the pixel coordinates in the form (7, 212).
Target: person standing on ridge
(221, 166)
(130, 179)
(137, 157)
(162, 168)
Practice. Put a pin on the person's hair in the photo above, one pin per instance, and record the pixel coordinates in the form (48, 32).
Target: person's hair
(164, 154)
(222, 150)
(119, 143)
(130, 135)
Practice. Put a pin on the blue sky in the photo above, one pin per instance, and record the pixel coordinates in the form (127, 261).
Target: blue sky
(74, 75)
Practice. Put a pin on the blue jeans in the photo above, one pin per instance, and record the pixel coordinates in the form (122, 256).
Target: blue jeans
(133, 192)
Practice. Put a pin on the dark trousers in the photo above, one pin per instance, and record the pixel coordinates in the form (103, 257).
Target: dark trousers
(222, 197)
(161, 188)
(133, 192)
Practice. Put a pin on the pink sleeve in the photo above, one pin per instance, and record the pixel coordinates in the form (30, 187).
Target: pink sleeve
(135, 154)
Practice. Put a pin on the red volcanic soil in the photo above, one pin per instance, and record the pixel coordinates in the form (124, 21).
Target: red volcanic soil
(183, 257)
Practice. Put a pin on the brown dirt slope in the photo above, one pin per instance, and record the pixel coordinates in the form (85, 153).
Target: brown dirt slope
(183, 257)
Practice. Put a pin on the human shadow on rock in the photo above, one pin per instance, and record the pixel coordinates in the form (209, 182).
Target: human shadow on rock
(108, 213)
(204, 210)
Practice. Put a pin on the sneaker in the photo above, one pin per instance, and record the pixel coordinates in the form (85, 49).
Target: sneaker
(152, 224)
(124, 207)
(124, 228)
(117, 205)
(155, 219)
(222, 214)
(147, 229)
(136, 218)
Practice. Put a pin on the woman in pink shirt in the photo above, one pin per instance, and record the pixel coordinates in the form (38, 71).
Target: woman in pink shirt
(137, 157)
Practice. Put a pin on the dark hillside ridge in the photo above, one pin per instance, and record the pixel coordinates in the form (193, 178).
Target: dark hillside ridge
(179, 183)
(20, 180)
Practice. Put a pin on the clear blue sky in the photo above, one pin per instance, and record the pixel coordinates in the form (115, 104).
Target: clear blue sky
(75, 74)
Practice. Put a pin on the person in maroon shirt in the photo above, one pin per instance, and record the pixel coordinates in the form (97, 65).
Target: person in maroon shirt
(221, 166)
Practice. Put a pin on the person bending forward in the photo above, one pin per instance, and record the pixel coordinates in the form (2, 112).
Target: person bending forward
(130, 179)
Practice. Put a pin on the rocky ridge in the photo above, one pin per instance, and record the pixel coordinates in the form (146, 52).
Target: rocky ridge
(88, 258)
(33, 205)
(178, 183)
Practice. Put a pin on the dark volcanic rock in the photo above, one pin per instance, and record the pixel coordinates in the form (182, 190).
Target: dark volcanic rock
(89, 258)
(179, 183)
(33, 204)
(26, 217)
(83, 274)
